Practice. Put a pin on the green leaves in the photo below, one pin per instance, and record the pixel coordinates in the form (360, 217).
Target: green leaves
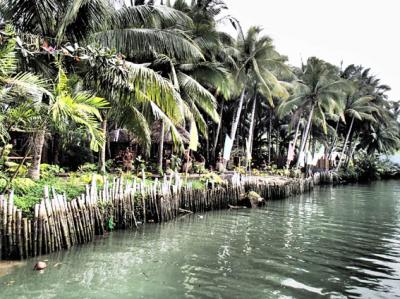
(152, 16)
(139, 43)
(79, 107)
(195, 92)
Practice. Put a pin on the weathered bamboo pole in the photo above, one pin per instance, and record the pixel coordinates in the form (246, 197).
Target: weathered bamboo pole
(9, 223)
(19, 241)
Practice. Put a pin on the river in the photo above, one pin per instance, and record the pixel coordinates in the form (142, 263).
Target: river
(335, 242)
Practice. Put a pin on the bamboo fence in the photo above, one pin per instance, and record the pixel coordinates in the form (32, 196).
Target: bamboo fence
(58, 223)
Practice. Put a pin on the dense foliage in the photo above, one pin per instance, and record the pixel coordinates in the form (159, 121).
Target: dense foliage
(72, 72)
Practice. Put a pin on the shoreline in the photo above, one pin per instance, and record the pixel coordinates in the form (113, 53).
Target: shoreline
(59, 224)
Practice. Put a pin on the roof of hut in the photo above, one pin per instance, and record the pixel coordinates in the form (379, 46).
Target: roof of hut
(156, 134)
(124, 136)
(121, 136)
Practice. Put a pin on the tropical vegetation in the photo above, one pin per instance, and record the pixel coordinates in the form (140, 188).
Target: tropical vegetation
(75, 73)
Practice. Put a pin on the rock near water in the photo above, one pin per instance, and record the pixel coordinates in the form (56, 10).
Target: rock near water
(40, 266)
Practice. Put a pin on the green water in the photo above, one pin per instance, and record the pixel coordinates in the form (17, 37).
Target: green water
(335, 242)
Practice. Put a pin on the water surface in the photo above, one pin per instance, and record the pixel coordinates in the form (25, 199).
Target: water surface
(332, 243)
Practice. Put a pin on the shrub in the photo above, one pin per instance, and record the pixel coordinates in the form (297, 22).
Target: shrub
(240, 170)
(11, 167)
(22, 185)
(47, 170)
(212, 177)
(199, 167)
(87, 167)
(88, 177)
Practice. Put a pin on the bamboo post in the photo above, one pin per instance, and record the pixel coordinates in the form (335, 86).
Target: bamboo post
(19, 242)
(35, 230)
(9, 223)
(3, 216)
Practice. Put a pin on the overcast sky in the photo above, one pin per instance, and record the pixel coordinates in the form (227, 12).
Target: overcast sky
(365, 32)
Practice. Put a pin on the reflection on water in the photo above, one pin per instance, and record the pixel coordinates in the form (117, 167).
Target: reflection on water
(335, 242)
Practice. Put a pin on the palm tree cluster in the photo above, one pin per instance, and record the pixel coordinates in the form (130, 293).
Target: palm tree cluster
(73, 70)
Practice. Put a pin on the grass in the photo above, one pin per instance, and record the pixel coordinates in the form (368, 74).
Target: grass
(26, 198)
(27, 193)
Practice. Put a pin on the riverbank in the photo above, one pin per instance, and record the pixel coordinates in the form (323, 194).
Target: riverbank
(58, 224)
(327, 240)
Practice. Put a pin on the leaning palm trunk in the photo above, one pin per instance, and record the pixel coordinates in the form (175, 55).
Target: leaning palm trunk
(251, 133)
(305, 136)
(161, 152)
(236, 120)
(269, 137)
(332, 147)
(102, 153)
(214, 149)
(345, 144)
(37, 148)
(296, 136)
(352, 150)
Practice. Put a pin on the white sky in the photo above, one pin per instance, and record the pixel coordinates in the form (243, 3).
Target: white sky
(365, 32)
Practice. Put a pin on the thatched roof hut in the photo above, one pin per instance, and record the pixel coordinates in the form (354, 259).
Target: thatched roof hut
(124, 136)
(121, 136)
(156, 134)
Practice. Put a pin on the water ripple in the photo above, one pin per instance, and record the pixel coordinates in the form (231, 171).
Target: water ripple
(339, 242)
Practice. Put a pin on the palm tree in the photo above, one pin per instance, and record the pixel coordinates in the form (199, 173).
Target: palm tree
(357, 108)
(218, 49)
(258, 66)
(123, 29)
(378, 130)
(65, 106)
(317, 92)
(138, 96)
(15, 87)
(136, 31)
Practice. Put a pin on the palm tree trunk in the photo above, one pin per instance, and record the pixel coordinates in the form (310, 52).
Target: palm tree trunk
(161, 150)
(294, 143)
(352, 149)
(269, 137)
(102, 153)
(236, 120)
(345, 143)
(334, 140)
(56, 149)
(37, 148)
(214, 149)
(251, 131)
(305, 136)
(277, 146)
(296, 135)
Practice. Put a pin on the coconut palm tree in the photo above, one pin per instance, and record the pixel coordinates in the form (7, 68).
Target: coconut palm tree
(218, 49)
(258, 66)
(378, 130)
(356, 108)
(65, 106)
(15, 87)
(317, 92)
(123, 29)
(133, 30)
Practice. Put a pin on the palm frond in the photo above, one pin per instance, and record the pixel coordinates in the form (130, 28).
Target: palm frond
(139, 43)
(150, 16)
(200, 95)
